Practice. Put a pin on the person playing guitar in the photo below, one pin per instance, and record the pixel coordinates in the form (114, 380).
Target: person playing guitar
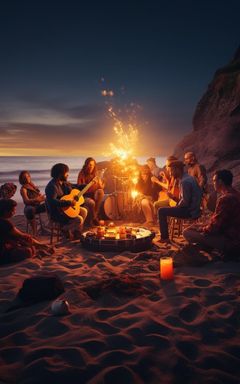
(55, 190)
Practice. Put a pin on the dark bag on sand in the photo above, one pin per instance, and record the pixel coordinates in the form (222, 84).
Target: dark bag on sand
(40, 288)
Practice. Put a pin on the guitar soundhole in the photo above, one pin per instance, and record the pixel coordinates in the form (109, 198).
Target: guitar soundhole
(76, 198)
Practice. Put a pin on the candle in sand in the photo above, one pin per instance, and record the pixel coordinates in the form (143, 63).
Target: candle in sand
(166, 268)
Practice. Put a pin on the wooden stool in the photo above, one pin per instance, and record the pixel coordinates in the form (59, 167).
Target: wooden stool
(176, 226)
(39, 222)
(55, 230)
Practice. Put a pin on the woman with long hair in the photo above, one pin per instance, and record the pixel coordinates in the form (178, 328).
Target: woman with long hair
(95, 193)
(147, 194)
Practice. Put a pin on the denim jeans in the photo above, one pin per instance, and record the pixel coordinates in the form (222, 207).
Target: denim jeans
(164, 213)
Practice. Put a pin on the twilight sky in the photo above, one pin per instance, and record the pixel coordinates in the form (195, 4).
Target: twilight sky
(156, 56)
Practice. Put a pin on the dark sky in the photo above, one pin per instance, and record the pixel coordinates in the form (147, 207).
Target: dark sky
(157, 55)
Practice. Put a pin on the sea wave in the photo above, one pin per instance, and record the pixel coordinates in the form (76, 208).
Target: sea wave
(32, 171)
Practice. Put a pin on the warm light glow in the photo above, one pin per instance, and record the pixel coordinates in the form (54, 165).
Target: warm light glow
(166, 268)
(105, 93)
(134, 194)
(126, 135)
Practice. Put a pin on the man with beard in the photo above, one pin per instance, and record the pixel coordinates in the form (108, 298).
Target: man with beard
(196, 170)
(56, 188)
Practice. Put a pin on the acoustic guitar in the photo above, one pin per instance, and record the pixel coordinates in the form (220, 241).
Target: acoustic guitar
(168, 187)
(76, 195)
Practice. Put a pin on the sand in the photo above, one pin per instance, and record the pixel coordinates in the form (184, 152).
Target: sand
(125, 324)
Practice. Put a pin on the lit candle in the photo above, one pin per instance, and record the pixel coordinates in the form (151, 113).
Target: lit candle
(166, 268)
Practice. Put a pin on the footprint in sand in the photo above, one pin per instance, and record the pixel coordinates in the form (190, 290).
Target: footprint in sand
(155, 327)
(188, 349)
(113, 358)
(119, 375)
(94, 347)
(234, 350)
(125, 322)
(224, 310)
(119, 342)
(20, 338)
(159, 343)
(51, 327)
(202, 282)
(58, 356)
(12, 355)
(191, 292)
(174, 321)
(190, 312)
(104, 314)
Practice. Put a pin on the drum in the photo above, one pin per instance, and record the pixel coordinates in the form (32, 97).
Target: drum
(114, 206)
(108, 209)
(122, 201)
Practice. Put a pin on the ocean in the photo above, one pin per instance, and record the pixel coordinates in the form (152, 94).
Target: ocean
(40, 166)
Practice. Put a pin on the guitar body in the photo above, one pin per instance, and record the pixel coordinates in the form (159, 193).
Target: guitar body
(73, 212)
(163, 196)
(172, 203)
(173, 188)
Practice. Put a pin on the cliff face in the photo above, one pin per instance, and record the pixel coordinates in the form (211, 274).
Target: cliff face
(216, 123)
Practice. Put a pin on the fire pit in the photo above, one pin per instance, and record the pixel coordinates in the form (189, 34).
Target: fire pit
(118, 239)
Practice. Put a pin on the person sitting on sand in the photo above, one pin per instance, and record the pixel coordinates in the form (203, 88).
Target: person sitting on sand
(7, 190)
(223, 230)
(15, 245)
(148, 194)
(189, 199)
(33, 199)
(94, 196)
(57, 187)
(169, 194)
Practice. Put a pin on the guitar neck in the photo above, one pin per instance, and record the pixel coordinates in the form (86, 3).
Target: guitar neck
(85, 188)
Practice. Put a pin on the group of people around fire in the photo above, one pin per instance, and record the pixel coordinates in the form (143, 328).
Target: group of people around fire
(163, 193)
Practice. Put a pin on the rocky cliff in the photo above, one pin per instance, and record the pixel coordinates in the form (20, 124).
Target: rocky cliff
(216, 123)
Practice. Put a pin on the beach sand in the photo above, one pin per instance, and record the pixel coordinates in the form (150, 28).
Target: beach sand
(125, 324)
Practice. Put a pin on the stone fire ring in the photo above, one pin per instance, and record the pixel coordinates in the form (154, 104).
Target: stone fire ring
(140, 242)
